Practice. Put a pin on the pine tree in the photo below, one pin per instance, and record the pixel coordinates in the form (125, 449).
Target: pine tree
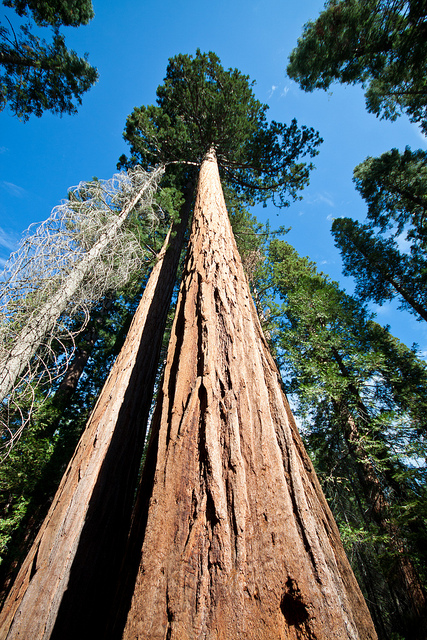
(382, 272)
(362, 394)
(39, 76)
(394, 187)
(381, 45)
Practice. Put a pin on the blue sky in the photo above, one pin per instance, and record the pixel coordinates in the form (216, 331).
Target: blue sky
(130, 43)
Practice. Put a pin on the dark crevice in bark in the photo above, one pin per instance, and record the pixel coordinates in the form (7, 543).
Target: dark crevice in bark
(180, 322)
(292, 606)
(170, 616)
(232, 518)
(34, 564)
(200, 330)
(129, 568)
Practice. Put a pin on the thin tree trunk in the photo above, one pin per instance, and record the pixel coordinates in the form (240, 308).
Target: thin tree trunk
(404, 581)
(14, 362)
(235, 538)
(66, 583)
(382, 269)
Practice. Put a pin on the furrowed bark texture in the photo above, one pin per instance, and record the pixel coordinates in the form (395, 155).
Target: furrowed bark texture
(239, 542)
(65, 586)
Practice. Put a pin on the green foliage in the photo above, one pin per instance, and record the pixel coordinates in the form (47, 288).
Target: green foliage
(54, 12)
(19, 475)
(201, 105)
(361, 396)
(38, 76)
(381, 44)
(381, 270)
(394, 187)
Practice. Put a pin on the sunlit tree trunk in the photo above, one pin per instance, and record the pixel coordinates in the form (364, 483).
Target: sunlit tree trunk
(233, 533)
(66, 583)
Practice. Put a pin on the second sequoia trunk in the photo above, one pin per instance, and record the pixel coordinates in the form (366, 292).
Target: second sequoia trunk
(65, 586)
(237, 539)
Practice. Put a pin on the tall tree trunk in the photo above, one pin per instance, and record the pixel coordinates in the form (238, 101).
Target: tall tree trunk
(235, 537)
(43, 492)
(65, 586)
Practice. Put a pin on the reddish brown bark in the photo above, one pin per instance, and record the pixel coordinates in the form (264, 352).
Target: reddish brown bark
(237, 541)
(65, 586)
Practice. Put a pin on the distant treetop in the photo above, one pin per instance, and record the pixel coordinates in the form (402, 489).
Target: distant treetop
(381, 44)
(70, 13)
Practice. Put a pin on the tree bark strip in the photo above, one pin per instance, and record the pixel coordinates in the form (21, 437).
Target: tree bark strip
(239, 542)
(65, 586)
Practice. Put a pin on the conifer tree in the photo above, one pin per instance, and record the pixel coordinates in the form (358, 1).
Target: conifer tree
(97, 490)
(381, 45)
(362, 394)
(382, 272)
(234, 536)
(38, 76)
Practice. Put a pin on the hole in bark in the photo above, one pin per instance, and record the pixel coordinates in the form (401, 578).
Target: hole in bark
(292, 606)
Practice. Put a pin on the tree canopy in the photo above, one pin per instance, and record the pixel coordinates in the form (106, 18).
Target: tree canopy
(70, 13)
(394, 187)
(39, 76)
(201, 105)
(381, 44)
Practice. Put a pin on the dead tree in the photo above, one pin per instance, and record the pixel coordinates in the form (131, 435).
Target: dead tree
(233, 536)
(81, 251)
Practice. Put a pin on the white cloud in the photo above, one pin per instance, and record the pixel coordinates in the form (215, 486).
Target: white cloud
(8, 240)
(382, 309)
(325, 198)
(275, 87)
(13, 189)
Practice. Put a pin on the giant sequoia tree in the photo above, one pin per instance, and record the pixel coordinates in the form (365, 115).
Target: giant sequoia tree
(68, 580)
(233, 533)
